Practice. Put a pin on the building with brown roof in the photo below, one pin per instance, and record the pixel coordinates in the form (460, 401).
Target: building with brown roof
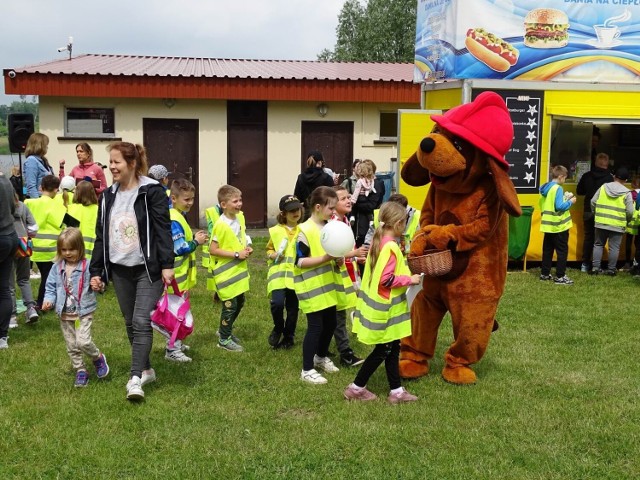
(215, 121)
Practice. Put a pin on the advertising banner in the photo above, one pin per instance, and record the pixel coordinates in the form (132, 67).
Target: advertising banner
(560, 40)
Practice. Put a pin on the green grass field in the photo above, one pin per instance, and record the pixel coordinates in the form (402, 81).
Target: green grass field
(557, 398)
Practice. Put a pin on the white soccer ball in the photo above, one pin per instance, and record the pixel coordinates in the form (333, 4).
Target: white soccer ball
(337, 238)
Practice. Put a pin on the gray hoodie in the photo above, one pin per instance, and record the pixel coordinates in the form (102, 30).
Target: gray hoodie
(614, 190)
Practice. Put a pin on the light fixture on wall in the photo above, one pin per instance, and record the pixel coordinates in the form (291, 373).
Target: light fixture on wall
(323, 109)
(169, 102)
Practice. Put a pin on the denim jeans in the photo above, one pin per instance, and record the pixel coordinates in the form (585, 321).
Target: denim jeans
(8, 244)
(137, 296)
(21, 271)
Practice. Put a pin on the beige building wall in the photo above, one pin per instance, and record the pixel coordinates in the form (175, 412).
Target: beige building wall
(283, 143)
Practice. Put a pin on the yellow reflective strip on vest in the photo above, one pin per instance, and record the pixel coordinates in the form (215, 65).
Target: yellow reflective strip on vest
(234, 279)
(377, 326)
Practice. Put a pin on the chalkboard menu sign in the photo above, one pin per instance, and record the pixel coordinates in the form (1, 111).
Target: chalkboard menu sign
(525, 107)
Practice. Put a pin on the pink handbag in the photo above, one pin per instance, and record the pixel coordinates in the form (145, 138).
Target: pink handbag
(172, 315)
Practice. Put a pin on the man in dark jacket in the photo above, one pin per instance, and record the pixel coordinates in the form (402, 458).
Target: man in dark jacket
(589, 184)
(313, 177)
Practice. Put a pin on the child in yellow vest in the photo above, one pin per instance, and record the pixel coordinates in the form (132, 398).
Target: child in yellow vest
(281, 251)
(316, 271)
(228, 272)
(382, 315)
(555, 223)
(85, 209)
(185, 244)
(50, 217)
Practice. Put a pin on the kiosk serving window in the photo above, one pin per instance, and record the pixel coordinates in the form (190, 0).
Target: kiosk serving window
(93, 122)
(576, 142)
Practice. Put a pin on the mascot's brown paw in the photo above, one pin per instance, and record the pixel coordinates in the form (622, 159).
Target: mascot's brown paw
(459, 375)
(413, 369)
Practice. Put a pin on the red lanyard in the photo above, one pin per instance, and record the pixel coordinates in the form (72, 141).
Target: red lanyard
(80, 285)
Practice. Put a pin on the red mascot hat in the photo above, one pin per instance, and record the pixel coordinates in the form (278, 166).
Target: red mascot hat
(485, 123)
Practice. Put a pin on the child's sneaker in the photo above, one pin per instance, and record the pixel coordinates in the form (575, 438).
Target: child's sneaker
(564, 280)
(148, 376)
(4, 343)
(351, 360)
(584, 268)
(176, 355)
(354, 393)
(134, 389)
(274, 338)
(102, 367)
(13, 322)
(32, 315)
(544, 278)
(232, 337)
(230, 345)
(183, 347)
(401, 397)
(82, 378)
(286, 343)
(324, 363)
(312, 376)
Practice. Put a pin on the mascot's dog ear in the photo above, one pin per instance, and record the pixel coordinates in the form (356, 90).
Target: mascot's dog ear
(413, 172)
(506, 190)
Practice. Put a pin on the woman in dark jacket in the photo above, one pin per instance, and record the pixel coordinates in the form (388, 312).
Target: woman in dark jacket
(134, 249)
(313, 177)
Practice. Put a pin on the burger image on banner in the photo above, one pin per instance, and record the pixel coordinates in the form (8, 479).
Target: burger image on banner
(546, 28)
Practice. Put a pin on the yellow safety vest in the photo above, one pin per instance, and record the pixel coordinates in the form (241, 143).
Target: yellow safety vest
(49, 215)
(184, 266)
(552, 221)
(378, 319)
(229, 277)
(634, 223)
(212, 215)
(280, 274)
(316, 287)
(413, 224)
(610, 211)
(88, 217)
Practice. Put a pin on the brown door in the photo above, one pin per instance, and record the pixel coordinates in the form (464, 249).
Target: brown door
(247, 157)
(334, 140)
(174, 144)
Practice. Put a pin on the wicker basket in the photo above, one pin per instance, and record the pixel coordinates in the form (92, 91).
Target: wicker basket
(433, 263)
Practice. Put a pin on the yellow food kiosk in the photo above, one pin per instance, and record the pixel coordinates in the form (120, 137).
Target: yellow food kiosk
(570, 99)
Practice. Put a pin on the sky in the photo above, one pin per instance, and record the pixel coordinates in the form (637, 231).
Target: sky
(33, 30)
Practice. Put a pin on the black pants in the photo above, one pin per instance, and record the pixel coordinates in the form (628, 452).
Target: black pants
(44, 268)
(8, 244)
(389, 353)
(320, 328)
(560, 243)
(589, 237)
(281, 299)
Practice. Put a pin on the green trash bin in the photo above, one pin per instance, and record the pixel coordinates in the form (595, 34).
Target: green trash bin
(519, 233)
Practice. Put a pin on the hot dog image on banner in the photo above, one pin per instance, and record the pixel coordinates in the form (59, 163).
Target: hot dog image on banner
(559, 40)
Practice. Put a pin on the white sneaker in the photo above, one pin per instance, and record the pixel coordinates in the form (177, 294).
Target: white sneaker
(34, 274)
(324, 363)
(13, 322)
(182, 346)
(312, 376)
(4, 343)
(176, 356)
(148, 376)
(134, 389)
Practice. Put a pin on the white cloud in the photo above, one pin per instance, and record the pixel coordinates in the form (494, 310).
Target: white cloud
(260, 29)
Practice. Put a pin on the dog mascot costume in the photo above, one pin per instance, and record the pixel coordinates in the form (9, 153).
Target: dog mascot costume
(465, 211)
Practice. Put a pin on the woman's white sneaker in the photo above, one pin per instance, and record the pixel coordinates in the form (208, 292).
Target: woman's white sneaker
(134, 389)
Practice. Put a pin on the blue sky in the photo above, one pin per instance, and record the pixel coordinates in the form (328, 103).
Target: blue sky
(33, 30)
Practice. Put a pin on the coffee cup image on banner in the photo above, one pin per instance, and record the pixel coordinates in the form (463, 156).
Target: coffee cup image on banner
(546, 28)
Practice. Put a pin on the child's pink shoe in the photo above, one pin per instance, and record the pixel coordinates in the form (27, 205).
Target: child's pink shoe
(401, 397)
(352, 393)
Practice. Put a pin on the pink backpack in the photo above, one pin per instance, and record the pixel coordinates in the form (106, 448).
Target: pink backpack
(172, 315)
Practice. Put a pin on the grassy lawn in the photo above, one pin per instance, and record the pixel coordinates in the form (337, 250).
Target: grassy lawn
(557, 398)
